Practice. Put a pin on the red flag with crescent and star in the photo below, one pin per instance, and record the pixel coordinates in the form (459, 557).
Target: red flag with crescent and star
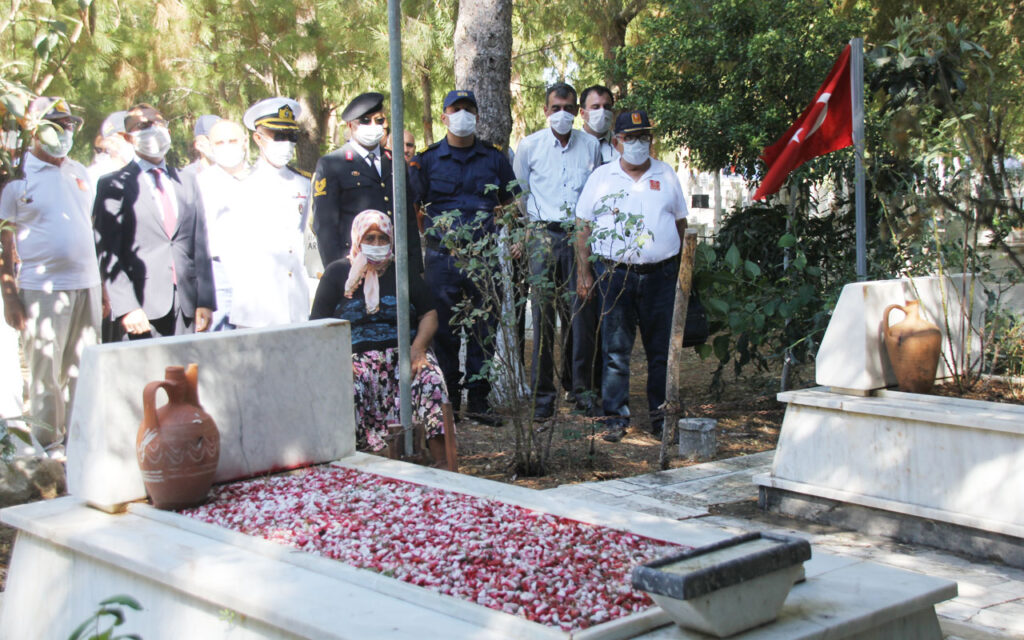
(825, 126)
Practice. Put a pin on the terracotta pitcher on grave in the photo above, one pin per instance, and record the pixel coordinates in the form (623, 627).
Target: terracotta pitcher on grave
(913, 346)
(178, 445)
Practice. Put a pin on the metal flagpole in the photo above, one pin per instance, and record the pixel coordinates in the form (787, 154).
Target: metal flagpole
(857, 99)
(398, 195)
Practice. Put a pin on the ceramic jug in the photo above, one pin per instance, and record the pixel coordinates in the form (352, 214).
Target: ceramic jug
(178, 445)
(913, 346)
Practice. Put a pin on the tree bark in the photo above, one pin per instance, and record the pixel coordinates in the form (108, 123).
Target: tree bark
(483, 64)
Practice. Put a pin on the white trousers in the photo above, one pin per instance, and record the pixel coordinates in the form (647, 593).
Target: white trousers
(59, 326)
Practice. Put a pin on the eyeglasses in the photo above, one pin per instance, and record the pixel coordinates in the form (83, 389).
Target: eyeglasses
(368, 120)
(630, 137)
(285, 136)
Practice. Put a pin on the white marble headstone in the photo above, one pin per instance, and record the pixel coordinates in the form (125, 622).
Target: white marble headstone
(852, 354)
(281, 398)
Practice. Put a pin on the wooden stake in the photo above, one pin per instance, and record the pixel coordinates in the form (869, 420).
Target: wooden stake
(674, 407)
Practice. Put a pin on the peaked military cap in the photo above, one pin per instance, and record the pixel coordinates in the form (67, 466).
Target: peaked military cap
(114, 123)
(361, 105)
(278, 114)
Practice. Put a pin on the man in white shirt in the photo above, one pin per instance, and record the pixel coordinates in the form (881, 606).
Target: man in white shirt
(551, 165)
(596, 104)
(265, 258)
(633, 214)
(54, 298)
(114, 150)
(223, 189)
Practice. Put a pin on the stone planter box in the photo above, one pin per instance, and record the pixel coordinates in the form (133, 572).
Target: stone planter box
(727, 587)
(936, 470)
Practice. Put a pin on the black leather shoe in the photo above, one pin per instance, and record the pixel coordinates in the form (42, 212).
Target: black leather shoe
(483, 414)
(541, 414)
(615, 433)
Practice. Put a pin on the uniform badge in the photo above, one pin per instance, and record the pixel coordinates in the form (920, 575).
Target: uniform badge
(655, 185)
(356, 173)
(636, 117)
(320, 187)
(348, 154)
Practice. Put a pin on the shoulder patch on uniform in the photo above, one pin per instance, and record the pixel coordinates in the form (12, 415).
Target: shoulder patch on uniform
(304, 174)
(320, 187)
(348, 154)
(433, 146)
(491, 145)
(414, 164)
(387, 152)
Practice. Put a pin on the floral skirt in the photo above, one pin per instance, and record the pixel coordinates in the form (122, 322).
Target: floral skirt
(375, 377)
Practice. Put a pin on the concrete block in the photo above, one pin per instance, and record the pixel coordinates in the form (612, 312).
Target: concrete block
(698, 438)
(281, 397)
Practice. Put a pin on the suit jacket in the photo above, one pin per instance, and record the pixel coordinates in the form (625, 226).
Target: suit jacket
(344, 185)
(135, 253)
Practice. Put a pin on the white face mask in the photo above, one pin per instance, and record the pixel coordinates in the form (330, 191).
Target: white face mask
(375, 252)
(228, 156)
(279, 152)
(369, 135)
(599, 120)
(561, 122)
(636, 152)
(153, 142)
(123, 150)
(65, 140)
(462, 123)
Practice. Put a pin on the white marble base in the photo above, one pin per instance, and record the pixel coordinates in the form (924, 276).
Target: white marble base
(199, 584)
(281, 397)
(956, 461)
(852, 354)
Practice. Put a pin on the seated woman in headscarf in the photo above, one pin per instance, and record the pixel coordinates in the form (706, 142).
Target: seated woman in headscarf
(362, 289)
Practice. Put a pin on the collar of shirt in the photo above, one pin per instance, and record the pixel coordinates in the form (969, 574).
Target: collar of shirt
(363, 151)
(651, 171)
(445, 149)
(556, 143)
(146, 165)
(35, 165)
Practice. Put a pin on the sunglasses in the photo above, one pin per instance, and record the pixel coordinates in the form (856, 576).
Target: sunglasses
(368, 120)
(284, 136)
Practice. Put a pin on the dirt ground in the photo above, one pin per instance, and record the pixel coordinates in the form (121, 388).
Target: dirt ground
(748, 417)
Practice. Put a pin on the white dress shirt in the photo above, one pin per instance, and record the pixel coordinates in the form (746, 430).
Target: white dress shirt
(553, 175)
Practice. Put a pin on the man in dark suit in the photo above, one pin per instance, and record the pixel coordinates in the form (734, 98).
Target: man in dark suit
(151, 238)
(356, 177)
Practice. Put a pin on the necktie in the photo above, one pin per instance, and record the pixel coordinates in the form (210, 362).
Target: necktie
(372, 159)
(168, 212)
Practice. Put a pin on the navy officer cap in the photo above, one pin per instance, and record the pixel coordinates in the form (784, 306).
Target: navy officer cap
(361, 105)
(629, 121)
(459, 94)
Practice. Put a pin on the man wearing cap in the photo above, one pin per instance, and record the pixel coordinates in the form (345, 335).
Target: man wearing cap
(264, 258)
(113, 149)
(201, 145)
(224, 193)
(465, 174)
(596, 104)
(151, 238)
(357, 177)
(633, 217)
(54, 299)
(552, 165)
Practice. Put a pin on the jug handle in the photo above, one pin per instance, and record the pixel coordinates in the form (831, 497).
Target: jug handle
(885, 316)
(149, 400)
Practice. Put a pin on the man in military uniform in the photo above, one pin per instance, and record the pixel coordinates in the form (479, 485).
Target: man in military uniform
(356, 177)
(265, 257)
(463, 173)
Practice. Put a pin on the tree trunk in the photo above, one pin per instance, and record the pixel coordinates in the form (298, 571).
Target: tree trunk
(312, 130)
(483, 63)
(428, 108)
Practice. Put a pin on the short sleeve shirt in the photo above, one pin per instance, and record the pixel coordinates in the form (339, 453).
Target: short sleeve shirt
(633, 221)
(51, 208)
(553, 175)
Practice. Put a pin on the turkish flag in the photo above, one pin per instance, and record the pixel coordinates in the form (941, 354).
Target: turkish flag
(824, 126)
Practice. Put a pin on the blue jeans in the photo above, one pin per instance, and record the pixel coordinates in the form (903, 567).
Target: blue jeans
(629, 301)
